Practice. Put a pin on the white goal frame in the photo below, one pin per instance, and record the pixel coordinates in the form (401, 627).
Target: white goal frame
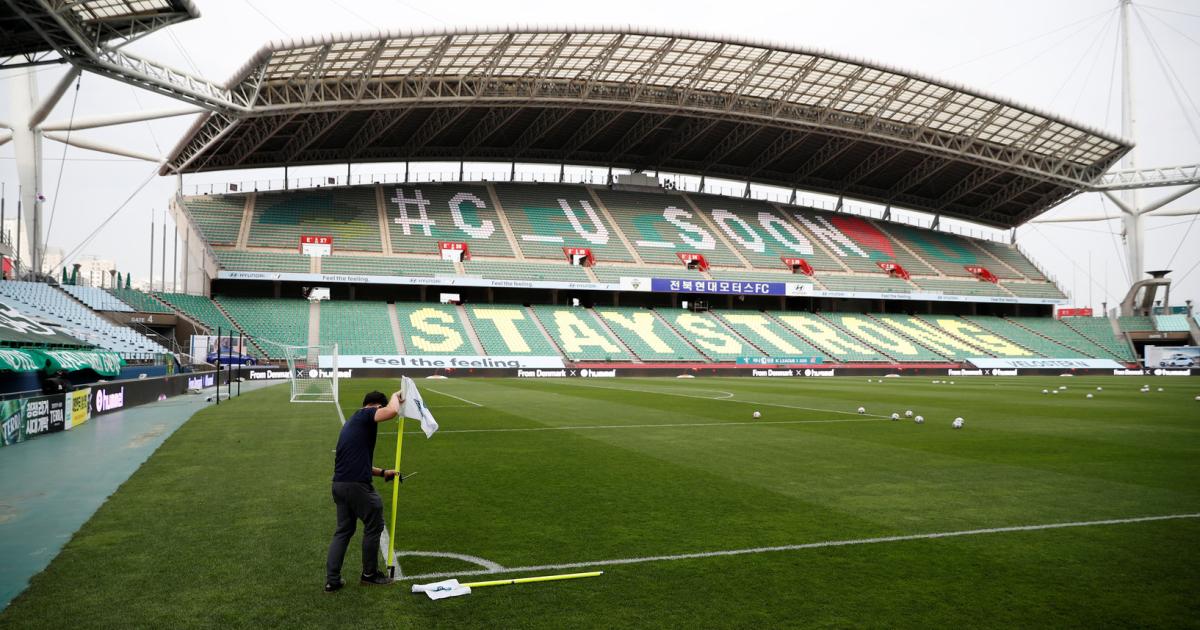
(308, 383)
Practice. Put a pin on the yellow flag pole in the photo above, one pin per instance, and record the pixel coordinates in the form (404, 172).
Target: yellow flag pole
(391, 555)
(541, 578)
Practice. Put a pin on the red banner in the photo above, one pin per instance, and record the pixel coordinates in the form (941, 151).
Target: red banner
(572, 252)
(316, 245)
(893, 269)
(449, 250)
(688, 257)
(982, 273)
(797, 264)
(1075, 312)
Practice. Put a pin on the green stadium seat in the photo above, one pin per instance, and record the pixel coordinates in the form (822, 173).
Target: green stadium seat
(1135, 323)
(540, 217)
(350, 215)
(1098, 343)
(1171, 323)
(612, 274)
(949, 253)
(708, 335)
(1034, 289)
(1010, 255)
(878, 282)
(1026, 338)
(421, 215)
(831, 341)
(509, 331)
(646, 335)
(276, 320)
(883, 337)
(199, 308)
(433, 329)
(759, 232)
(960, 287)
(387, 266)
(357, 327)
(857, 242)
(662, 225)
(578, 335)
(236, 260)
(143, 302)
(768, 335)
(218, 217)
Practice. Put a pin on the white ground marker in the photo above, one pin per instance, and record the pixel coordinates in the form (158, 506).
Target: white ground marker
(815, 545)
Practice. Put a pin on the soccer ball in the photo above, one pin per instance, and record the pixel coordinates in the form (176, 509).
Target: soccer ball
(958, 423)
(951, 382)
(1099, 389)
(1062, 387)
(1089, 395)
(908, 414)
(1160, 389)
(1198, 398)
(921, 419)
(1054, 391)
(862, 410)
(756, 415)
(1045, 391)
(895, 416)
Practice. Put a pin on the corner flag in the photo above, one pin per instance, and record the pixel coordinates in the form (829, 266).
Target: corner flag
(414, 407)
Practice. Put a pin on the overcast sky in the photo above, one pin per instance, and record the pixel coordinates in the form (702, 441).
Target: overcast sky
(1059, 56)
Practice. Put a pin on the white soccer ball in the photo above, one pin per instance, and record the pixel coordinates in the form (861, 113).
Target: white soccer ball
(895, 416)
(1198, 398)
(756, 415)
(1099, 389)
(1062, 387)
(1054, 391)
(958, 423)
(921, 419)
(951, 382)
(1089, 395)
(1160, 389)
(1045, 391)
(908, 414)
(862, 410)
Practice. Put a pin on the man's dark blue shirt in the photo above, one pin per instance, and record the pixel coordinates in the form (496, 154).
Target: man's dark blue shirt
(356, 447)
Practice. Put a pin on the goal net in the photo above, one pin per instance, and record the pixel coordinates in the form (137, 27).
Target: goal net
(310, 382)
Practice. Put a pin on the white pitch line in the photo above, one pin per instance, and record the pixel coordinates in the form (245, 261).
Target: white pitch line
(745, 402)
(645, 426)
(816, 545)
(469, 402)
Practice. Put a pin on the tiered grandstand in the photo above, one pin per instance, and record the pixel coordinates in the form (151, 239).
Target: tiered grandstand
(394, 231)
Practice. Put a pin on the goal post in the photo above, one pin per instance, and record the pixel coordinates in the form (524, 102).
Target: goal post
(309, 382)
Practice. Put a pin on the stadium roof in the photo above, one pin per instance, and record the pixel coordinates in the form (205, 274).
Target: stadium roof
(645, 99)
(29, 28)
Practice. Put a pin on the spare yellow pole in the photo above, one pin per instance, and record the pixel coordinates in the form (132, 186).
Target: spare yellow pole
(541, 578)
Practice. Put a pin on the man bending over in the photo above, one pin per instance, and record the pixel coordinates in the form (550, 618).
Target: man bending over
(353, 493)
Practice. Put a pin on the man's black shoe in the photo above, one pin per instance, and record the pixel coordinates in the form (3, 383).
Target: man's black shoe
(377, 578)
(333, 587)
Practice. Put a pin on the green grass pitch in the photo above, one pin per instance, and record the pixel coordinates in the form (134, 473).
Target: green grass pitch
(227, 524)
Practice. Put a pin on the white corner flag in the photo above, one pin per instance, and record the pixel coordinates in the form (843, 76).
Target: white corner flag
(415, 408)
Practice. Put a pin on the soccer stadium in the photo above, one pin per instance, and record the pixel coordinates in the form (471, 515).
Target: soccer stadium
(695, 331)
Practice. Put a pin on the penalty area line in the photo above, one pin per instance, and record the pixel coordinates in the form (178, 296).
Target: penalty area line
(668, 425)
(801, 547)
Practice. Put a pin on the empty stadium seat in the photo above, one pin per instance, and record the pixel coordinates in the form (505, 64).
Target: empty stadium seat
(1135, 323)
(1034, 289)
(547, 217)
(42, 301)
(646, 335)
(661, 225)
(420, 215)
(949, 253)
(960, 287)
(276, 320)
(708, 334)
(578, 335)
(509, 330)
(1171, 323)
(832, 342)
(218, 217)
(768, 335)
(1026, 338)
(433, 329)
(199, 308)
(1070, 336)
(885, 338)
(237, 260)
(1099, 330)
(758, 232)
(140, 301)
(357, 327)
(97, 299)
(387, 266)
(350, 215)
